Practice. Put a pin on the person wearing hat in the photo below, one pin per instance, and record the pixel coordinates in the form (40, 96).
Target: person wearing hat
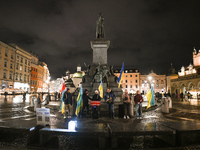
(67, 98)
(85, 97)
(96, 96)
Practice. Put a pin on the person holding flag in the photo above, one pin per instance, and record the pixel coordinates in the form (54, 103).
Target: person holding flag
(121, 76)
(138, 105)
(85, 97)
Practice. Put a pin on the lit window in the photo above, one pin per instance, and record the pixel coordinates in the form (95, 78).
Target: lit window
(20, 68)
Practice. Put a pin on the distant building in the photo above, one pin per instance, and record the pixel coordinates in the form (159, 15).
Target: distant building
(188, 79)
(153, 79)
(34, 73)
(131, 79)
(7, 66)
(77, 77)
(22, 68)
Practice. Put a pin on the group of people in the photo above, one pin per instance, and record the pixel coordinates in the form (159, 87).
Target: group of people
(109, 97)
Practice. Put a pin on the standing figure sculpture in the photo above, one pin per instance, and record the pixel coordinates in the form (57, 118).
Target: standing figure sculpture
(100, 27)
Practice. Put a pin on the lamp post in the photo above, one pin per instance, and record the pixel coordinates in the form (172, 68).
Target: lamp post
(48, 81)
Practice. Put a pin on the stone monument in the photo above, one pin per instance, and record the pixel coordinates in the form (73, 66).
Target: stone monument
(100, 70)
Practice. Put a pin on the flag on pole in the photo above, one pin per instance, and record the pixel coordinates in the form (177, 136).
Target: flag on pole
(121, 76)
(101, 89)
(150, 98)
(63, 87)
(79, 102)
(62, 107)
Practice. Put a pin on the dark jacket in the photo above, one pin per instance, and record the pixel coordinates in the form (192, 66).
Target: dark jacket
(67, 98)
(137, 98)
(96, 97)
(108, 95)
(85, 98)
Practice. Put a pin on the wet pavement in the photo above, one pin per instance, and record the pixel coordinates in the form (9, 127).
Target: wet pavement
(16, 113)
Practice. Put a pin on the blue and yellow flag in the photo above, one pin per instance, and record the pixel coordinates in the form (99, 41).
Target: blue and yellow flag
(62, 106)
(150, 98)
(121, 76)
(79, 102)
(101, 89)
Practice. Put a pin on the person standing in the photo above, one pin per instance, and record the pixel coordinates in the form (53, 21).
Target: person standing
(126, 104)
(67, 98)
(96, 96)
(109, 98)
(138, 105)
(85, 97)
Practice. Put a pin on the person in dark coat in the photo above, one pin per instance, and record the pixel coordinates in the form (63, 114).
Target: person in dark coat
(67, 98)
(96, 96)
(85, 97)
(109, 98)
(138, 99)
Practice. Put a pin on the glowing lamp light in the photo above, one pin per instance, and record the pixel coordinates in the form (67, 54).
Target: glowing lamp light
(149, 78)
(72, 125)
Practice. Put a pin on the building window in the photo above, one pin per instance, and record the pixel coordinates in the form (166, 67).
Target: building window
(126, 81)
(36, 70)
(36, 76)
(11, 66)
(17, 67)
(4, 74)
(21, 60)
(135, 75)
(17, 58)
(135, 81)
(126, 75)
(26, 61)
(33, 69)
(24, 78)
(136, 86)
(20, 78)
(130, 75)
(6, 53)
(5, 64)
(130, 81)
(28, 79)
(20, 68)
(16, 77)
(11, 56)
(25, 69)
(29, 63)
(126, 86)
(131, 86)
(10, 76)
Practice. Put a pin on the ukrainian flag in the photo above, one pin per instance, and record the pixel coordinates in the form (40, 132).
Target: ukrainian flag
(121, 76)
(62, 106)
(101, 89)
(150, 98)
(79, 102)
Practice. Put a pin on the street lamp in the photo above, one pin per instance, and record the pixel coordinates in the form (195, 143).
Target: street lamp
(48, 81)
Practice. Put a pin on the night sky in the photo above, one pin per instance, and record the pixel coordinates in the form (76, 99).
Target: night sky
(145, 34)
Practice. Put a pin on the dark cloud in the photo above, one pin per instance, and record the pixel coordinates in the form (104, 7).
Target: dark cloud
(144, 34)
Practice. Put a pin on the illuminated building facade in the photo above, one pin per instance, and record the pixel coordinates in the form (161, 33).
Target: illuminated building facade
(7, 66)
(22, 69)
(188, 79)
(152, 79)
(34, 73)
(131, 79)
